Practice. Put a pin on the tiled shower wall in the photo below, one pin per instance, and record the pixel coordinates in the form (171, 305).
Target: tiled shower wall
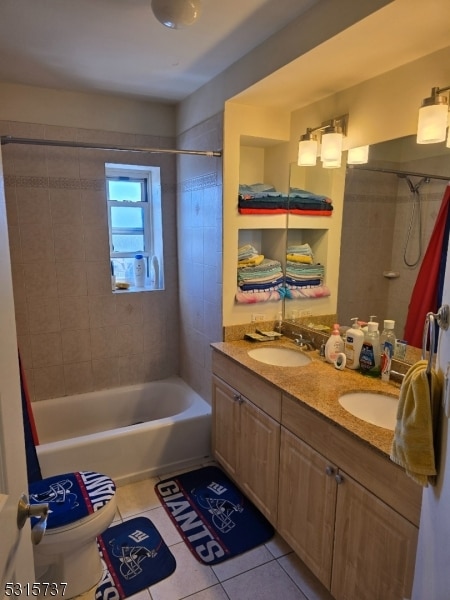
(377, 215)
(74, 334)
(200, 252)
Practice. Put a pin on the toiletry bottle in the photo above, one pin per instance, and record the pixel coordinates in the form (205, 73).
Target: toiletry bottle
(369, 359)
(354, 338)
(155, 272)
(334, 345)
(387, 345)
(113, 277)
(139, 270)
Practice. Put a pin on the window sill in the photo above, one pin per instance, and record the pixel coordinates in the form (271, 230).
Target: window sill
(134, 289)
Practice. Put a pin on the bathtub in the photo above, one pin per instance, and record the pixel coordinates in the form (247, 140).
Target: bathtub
(127, 433)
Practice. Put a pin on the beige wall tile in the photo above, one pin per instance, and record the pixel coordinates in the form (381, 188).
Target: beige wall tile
(49, 382)
(76, 345)
(46, 349)
(43, 315)
(78, 378)
(105, 373)
(74, 311)
(94, 208)
(103, 342)
(62, 162)
(33, 206)
(69, 243)
(96, 243)
(129, 339)
(129, 309)
(37, 243)
(98, 277)
(131, 369)
(39, 279)
(71, 278)
(65, 207)
(102, 310)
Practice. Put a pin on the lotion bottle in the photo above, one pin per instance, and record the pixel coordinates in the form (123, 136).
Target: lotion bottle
(334, 345)
(387, 345)
(354, 338)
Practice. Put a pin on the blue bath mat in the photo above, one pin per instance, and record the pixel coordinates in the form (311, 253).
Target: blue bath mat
(135, 557)
(212, 515)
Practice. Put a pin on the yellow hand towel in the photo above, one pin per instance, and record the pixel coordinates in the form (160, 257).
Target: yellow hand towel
(301, 258)
(413, 444)
(251, 262)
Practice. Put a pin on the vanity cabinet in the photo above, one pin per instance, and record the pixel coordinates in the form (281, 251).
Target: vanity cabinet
(246, 438)
(345, 510)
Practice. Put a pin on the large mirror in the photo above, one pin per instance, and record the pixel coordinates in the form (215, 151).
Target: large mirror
(389, 212)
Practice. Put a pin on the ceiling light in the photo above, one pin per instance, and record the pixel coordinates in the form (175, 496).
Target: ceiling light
(432, 124)
(358, 156)
(176, 14)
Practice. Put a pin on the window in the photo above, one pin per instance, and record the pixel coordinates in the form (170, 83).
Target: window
(134, 221)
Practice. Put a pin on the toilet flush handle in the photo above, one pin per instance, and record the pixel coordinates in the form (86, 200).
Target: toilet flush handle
(25, 511)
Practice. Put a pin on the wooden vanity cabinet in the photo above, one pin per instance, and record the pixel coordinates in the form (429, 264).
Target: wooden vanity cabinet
(355, 538)
(246, 439)
(348, 512)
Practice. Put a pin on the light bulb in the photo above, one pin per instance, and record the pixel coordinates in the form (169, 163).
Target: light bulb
(358, 156)
(307, 153)
(176, 14)
(331, 147)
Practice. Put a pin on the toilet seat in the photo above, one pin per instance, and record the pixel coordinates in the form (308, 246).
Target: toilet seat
(73, 498)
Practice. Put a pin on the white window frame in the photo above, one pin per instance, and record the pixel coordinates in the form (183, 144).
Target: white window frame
(150, 177)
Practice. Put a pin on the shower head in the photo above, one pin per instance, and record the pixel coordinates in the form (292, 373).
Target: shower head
(414, 189)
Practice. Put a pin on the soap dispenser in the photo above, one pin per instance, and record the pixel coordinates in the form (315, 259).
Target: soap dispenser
(334, 345)
(354, 338)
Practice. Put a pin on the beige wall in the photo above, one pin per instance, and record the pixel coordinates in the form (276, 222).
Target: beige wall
(74, 334)
(199, 213)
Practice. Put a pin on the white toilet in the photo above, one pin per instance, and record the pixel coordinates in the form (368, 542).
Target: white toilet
(82, 505)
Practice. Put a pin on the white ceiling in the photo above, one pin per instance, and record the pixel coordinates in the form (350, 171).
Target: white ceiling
(118, 46)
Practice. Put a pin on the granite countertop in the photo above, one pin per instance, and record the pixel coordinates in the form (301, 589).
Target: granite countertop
(319, 386)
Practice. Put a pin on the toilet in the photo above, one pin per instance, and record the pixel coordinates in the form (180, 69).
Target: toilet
(82, 505)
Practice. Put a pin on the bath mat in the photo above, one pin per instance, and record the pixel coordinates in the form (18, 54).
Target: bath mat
(135, 557)
(212, 515)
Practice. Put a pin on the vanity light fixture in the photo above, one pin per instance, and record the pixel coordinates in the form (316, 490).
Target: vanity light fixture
(433, 117)
(358, 156)
(176, 14)
(330, 134)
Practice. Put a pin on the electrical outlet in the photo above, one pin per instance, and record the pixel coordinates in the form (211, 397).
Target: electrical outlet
(258, 317)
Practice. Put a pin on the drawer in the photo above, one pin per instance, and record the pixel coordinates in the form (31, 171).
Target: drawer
(264, 395)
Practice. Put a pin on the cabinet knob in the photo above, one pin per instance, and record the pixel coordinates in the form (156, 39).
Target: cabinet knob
(338, 478)
(329, 470)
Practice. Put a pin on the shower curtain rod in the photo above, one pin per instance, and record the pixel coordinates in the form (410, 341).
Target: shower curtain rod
(397, 172)
(7, 139)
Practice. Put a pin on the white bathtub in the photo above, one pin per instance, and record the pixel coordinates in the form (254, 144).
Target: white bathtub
(127, 433)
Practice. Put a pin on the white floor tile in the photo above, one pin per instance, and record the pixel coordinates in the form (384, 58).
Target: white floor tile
(189, 577)
(277, 546)
(242, 563)
(266, 582)
(164, 525)
(303, 578)
(136, 498)
(216, 592)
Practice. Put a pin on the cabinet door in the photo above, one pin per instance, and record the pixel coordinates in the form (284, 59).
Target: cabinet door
(306, 504)
(375, 547)
(225, 425)
(259, 454)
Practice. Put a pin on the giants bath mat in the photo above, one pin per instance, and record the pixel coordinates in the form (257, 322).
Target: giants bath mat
(212, 515)
(135, 557)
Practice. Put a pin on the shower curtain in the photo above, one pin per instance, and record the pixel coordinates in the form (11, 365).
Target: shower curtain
(427, 293)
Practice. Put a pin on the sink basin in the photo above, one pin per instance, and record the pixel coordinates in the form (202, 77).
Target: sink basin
(377, 409)
(280, 357)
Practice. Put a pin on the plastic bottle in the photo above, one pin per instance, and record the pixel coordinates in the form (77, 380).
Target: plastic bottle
(354, 338)
(279, 323)
(155, 272)
(369, 359)
(334, 345)
(139, 270)
(387, 346)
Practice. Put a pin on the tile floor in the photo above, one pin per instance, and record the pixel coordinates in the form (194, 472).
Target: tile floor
(269, 571)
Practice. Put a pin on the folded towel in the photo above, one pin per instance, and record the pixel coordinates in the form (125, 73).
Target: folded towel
(251, 262)
(413, 444)
(301, 258)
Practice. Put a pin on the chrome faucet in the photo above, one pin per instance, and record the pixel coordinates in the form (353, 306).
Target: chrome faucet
(304, 343)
